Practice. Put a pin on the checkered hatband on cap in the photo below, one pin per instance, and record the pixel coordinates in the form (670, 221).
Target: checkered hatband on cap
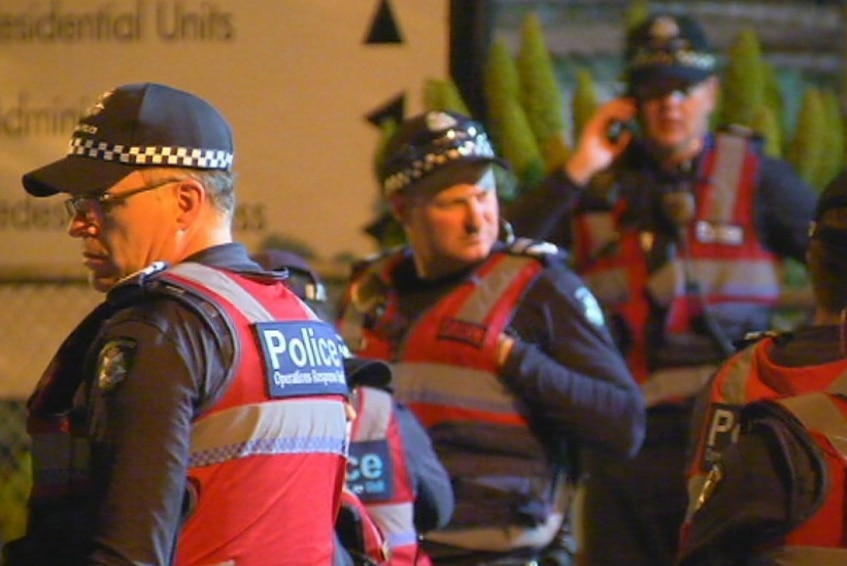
(152, 155)
(458, 140)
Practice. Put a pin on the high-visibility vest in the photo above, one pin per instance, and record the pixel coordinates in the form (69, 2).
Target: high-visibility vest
(727, 261)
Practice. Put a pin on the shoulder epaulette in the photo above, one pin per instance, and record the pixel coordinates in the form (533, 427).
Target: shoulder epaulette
(527, 246)
(134, 285)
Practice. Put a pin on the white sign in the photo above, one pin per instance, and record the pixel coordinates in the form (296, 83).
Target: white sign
(297, 80)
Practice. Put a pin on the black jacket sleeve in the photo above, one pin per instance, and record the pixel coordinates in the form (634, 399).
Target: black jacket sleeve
(767, 483)
(142, 429)
(566, 367)
(544, 213)
(784, 206)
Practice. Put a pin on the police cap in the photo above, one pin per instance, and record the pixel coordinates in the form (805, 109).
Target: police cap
(431, 142)
(664, 46)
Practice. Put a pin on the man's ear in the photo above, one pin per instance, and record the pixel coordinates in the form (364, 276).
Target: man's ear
(399, 207)
(190, 198)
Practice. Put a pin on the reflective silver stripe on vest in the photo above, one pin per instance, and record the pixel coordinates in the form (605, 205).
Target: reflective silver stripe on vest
(222, 284)
(803, 556)
(839, 385)
(491, 288)
(443, 384)
(293, 426)
(734, 385)
(372, 423)
(817, 412)
(395, 520)
(747, 279)
(730, 154)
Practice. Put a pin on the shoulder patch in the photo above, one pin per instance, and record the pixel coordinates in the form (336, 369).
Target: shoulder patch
(590, 306)
(115, 362)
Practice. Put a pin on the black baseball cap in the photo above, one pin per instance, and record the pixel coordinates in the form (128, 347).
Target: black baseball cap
(667, 47)
(302, 279)
(132, 127)
(367, 371)
(430, 142)
(834, 196)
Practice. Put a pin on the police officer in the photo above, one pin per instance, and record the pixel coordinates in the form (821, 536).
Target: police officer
(165, 422)
(394, 477)
(498, 348)
(777, 495)
(679, 233)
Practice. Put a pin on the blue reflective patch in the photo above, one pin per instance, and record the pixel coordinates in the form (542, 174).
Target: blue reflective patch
(301, 358)
(370, 474)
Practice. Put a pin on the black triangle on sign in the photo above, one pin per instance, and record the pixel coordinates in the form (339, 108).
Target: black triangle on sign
(394, 109)
(384, 27)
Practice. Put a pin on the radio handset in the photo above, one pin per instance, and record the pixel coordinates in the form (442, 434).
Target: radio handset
(617, 129)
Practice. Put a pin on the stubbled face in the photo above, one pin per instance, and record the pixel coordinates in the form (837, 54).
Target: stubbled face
(126, 235)
(676, 118)
(454, 227)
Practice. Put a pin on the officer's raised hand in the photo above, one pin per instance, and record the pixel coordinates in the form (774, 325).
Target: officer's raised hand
(596, 148)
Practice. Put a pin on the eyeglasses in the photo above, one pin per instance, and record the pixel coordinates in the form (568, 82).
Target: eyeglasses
(88, 205)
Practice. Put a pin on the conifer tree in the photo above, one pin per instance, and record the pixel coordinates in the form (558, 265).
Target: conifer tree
(832, 155)
(765, 124)
(508, 124)
(443, 94)
(584, 101)
(805, 149)
(636, 12)
(744, 72)
(541, 95)
(774, 98)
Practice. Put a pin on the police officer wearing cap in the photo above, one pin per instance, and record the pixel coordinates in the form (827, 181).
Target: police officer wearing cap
(768, 474)
(496, 346)
(179, 422)
(678, 231)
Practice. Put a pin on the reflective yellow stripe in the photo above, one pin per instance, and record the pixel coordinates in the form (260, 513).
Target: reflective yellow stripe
(293, 426)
